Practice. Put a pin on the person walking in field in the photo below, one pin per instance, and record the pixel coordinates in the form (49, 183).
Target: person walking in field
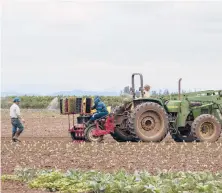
(16, 120)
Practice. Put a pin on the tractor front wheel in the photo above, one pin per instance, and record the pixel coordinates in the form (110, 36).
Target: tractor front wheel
(89, 136)
(206, 128)
(150, 122)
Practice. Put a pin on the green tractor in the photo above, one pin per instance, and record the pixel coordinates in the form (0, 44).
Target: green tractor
(195, 116)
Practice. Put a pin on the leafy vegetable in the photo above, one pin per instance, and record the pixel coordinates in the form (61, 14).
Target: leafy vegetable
(121, 181)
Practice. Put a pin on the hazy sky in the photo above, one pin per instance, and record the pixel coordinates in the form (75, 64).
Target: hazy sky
(64, 45)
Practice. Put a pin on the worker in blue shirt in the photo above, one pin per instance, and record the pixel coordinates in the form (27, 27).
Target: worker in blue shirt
(101, 110)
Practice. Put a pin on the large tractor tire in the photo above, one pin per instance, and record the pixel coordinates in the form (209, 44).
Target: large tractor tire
(120, 134)
(206, 128)
(150, 122)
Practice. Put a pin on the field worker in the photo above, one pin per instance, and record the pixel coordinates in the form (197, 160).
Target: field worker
(16, 119)
(101, 110)
(146, 91)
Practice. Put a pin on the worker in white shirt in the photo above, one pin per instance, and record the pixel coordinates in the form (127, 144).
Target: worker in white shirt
(146, 91)
(16, 119)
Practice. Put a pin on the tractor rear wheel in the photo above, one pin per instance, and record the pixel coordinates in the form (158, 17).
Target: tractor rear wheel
(88, 134)
(206, 128)
(122, 136)
(120, 133)
(150, 122)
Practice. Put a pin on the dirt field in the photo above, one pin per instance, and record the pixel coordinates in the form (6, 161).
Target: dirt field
(47, 144)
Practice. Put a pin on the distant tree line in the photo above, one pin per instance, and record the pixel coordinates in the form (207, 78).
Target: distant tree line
(42, 102)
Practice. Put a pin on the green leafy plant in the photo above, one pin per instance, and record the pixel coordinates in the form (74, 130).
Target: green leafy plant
(120, 182)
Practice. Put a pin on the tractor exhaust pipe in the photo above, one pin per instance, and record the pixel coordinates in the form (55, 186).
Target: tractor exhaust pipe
(179, 88)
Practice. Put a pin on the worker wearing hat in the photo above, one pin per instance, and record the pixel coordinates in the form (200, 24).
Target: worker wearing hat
(101, 110)
(146, 91)
(16, 119)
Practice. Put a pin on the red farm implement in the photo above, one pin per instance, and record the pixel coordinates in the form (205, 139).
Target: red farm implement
(80, 111)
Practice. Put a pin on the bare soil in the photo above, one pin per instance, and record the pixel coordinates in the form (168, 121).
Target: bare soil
(46, 144)
(12, 187)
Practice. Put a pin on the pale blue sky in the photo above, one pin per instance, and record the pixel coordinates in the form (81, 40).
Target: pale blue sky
(57, 45)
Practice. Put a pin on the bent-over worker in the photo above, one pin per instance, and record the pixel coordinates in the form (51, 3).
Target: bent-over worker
(16, 119)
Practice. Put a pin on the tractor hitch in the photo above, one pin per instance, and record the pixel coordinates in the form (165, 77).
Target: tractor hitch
(108, 127)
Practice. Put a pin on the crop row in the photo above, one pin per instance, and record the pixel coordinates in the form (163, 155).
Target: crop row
(121, 181)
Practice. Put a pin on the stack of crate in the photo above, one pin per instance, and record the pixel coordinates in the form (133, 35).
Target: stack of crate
(75, 105)
(88, 105)
(78, 105)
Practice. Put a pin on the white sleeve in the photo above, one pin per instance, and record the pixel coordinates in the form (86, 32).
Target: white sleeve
(17, 111)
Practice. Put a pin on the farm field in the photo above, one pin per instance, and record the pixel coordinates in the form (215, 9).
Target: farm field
(46, 144)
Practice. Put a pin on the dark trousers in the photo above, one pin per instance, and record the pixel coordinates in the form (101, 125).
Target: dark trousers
(98, 116)
(16, 124)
